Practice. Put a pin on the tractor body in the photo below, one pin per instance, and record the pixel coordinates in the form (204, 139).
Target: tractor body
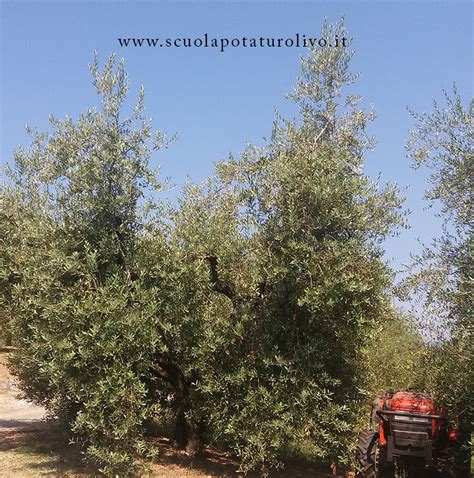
(410, 437)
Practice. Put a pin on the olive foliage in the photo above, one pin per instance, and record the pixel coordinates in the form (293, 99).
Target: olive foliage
(292, 236)
(244, 310)
(395, 355)
(80, 319)
(442, 275)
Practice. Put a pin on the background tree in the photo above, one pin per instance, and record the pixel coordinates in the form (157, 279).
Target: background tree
(394, 356)
(443, 274)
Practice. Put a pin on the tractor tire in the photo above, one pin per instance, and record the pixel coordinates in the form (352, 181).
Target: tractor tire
(366, 455)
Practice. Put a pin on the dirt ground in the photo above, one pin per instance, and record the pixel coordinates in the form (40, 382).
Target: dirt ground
(31, 447)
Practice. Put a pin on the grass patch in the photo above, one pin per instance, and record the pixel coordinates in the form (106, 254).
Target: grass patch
(47, 459)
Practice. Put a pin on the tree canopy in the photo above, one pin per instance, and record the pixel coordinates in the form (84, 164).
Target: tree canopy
(245, 310)
(442, 274)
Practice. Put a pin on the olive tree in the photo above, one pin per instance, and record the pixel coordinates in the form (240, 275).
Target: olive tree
(245, 309)
(289, 237)
(75, 207)
(442, 274)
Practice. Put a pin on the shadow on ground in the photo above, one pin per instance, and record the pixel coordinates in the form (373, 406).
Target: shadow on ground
(36, 448)
(32, 450)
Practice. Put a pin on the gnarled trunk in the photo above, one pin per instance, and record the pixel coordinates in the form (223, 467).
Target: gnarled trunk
(187, 434)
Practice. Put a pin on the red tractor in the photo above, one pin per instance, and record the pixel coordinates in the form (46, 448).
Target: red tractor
(411, 438)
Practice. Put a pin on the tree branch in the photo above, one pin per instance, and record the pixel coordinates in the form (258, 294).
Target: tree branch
(217, 284)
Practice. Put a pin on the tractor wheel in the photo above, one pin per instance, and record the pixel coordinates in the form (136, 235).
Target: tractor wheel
(367, 455)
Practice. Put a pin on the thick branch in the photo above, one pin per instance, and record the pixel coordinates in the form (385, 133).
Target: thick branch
(215, 280)
(227, 290)
(170, 372)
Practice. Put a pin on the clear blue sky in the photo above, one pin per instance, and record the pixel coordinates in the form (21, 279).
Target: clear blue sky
(407, 52)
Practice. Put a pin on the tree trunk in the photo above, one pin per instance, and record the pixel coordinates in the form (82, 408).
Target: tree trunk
(8, 338)
(181, 430)
(187, 434)
(195, 439)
